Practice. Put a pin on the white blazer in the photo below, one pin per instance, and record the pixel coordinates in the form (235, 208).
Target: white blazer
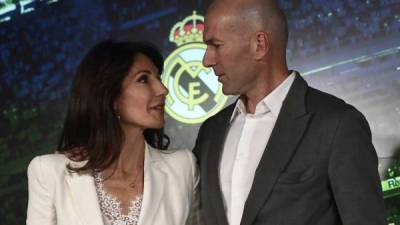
(59, 197)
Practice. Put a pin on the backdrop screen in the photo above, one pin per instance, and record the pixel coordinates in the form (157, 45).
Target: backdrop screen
(345, 47)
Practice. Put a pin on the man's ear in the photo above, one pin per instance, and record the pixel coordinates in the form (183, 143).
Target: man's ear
(261, 45)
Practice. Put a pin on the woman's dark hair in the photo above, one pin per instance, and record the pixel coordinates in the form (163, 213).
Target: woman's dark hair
(91, 125)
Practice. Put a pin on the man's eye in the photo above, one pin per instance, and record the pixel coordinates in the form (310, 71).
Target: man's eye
(143, 79)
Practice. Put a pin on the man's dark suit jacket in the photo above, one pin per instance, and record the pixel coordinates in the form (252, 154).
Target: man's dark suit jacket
(319, 166)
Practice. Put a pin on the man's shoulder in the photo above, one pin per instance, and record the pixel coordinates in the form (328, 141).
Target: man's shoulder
(321, 101)
(328, 105)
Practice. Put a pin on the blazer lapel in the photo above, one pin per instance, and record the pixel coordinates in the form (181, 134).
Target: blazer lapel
(84, 196)
(154, 183)
(212, 170)
(288, 131)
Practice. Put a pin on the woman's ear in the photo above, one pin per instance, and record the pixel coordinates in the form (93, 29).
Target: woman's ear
(115, 108)
(261, 45)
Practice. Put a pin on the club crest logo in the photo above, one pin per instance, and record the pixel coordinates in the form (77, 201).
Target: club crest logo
(194, 91)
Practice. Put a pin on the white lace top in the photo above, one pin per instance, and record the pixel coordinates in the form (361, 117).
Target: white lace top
(110, 206)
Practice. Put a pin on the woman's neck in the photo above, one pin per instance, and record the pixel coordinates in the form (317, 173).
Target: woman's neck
(131, 158)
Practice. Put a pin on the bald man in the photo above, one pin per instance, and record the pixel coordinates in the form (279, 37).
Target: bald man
(283, 153)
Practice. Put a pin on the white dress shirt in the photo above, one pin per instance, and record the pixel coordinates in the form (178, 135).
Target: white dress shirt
(246, 140)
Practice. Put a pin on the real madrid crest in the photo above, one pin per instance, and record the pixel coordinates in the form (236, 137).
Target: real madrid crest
(194, 91)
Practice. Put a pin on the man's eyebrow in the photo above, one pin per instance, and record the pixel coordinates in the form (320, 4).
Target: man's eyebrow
(212, 41)
(208, 41)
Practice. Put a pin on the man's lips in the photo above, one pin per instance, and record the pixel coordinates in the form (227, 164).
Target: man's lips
(220, 76)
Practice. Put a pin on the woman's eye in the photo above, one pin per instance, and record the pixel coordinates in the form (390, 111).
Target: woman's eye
(143, 79)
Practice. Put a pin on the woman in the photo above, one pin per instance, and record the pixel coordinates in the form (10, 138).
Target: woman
(104, 171)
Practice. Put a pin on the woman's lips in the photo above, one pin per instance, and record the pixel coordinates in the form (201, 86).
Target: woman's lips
(159, 107)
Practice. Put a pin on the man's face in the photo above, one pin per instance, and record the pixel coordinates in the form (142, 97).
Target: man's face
(228, 52)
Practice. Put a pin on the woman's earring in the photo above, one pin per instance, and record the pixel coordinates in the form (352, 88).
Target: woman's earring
(116, 113)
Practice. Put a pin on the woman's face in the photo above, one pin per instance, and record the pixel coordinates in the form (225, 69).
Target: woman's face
(141, 102)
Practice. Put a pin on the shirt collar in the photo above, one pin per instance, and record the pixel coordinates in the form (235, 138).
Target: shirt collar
(270, 103)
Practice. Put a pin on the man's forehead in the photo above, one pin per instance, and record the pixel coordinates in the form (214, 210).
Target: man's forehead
(221, 22)
(219, 8)
(216, 24)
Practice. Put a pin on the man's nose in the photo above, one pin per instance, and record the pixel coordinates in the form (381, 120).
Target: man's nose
(209, 58)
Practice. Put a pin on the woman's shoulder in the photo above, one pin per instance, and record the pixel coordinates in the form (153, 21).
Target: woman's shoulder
(49, 163)
(176, 157)
(172, 154)
(180, 163)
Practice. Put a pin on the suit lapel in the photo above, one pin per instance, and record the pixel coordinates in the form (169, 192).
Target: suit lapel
(84, 196)
(154, 183)
(288, 131)
(212, 169)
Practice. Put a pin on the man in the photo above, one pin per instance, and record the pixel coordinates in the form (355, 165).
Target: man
(284, 153)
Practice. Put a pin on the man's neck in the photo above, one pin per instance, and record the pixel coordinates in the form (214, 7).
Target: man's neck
(257, 94)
